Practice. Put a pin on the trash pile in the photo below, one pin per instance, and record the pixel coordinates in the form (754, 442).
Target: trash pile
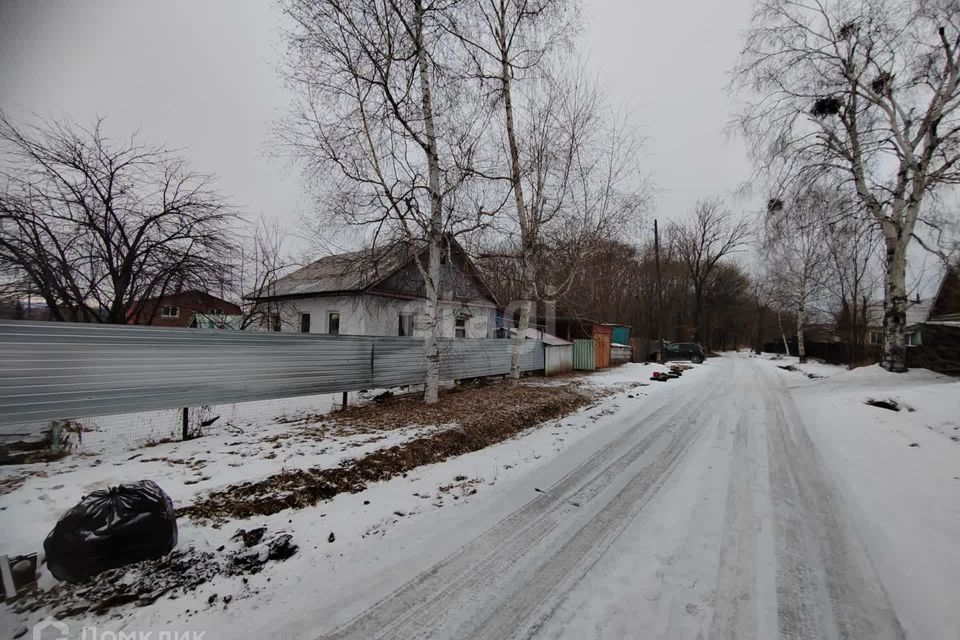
(676, 370)
(111, 528)
(116, 547)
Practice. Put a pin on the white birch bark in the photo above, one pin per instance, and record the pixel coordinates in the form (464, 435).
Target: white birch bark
(783, 334)
(435, 229)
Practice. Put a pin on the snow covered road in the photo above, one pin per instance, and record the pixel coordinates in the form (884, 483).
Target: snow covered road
(710, 515)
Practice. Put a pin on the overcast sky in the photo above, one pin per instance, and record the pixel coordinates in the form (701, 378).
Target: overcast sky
(201, 75)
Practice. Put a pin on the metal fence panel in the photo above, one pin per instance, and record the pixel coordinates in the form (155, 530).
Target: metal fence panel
(54, 371)
(584, 355)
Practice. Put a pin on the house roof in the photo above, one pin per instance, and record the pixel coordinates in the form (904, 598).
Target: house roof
(179, 297)
(543, 336)
(344, 272)
(356, 272)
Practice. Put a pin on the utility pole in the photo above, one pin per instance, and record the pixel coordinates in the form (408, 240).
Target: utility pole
(656, 258)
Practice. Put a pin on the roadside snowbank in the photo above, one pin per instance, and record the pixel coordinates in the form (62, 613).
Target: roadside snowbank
(899, 472)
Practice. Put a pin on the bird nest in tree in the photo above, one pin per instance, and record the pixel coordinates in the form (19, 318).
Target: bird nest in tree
(882, 83)
(847, 30)
(829, 106)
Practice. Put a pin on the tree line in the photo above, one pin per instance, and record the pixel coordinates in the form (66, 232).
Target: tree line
(419, 124)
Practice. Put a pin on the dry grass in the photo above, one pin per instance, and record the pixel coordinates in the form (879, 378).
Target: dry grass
(480, 417)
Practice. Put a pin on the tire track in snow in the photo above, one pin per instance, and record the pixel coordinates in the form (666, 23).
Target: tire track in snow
(735, 604)
(481, 576)
(827, 586)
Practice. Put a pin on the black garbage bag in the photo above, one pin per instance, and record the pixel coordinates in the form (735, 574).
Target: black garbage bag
(111, 528)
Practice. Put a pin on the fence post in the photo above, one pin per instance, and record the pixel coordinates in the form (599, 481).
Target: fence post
(56, 436)
(185, 423)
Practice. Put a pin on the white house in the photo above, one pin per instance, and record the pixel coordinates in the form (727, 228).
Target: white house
(380, 293)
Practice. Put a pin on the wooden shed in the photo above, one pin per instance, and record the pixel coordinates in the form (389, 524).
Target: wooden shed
(602, 341)
(580, 329)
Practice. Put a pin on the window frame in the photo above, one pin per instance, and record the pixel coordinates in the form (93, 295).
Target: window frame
(305, 327)
(405, 329)
(168, 316)
(458, 327)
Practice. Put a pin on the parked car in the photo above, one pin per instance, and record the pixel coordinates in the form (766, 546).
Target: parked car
(683, 351)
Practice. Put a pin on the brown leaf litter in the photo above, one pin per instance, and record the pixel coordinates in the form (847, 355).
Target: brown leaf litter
(481, 416)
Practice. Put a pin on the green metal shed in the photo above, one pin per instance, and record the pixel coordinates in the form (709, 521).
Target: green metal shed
(584, 355)
(621, 334)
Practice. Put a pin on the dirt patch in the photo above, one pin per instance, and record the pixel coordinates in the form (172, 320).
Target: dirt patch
(13, 482)
(481, 416)
(177, 573)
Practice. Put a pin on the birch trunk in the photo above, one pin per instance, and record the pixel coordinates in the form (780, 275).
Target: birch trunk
(895, 305)
(516, 354)
(527, 232)
(435, 230)
(801, 319)
(801, 347)
(431, 343)
(783, 334)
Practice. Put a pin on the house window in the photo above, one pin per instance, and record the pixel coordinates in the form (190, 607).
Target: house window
(405, 327)
(170, 312)
(333, 323)
(460, 328)
(876, 337)
(304, 323)
(275, 322)
(913, 339)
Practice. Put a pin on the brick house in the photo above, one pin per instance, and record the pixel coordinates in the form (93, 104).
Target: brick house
(179, 309)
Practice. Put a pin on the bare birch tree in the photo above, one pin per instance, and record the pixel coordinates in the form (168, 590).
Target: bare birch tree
(504, 39)
(380, 122)
(794, 230)
(870, 89)
(852, 243)
(101, 227)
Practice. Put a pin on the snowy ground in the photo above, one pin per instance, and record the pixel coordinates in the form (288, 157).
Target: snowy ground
(812, 368)
(258, 439)
(740, 501)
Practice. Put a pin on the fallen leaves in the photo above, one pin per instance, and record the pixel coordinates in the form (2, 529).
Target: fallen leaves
(481, 416)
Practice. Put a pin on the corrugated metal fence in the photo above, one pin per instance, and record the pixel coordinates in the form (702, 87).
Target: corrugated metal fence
(58, 371)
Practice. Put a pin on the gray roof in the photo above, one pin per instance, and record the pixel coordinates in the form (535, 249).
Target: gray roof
(356, 272)
(547, 338)
(342, 273)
